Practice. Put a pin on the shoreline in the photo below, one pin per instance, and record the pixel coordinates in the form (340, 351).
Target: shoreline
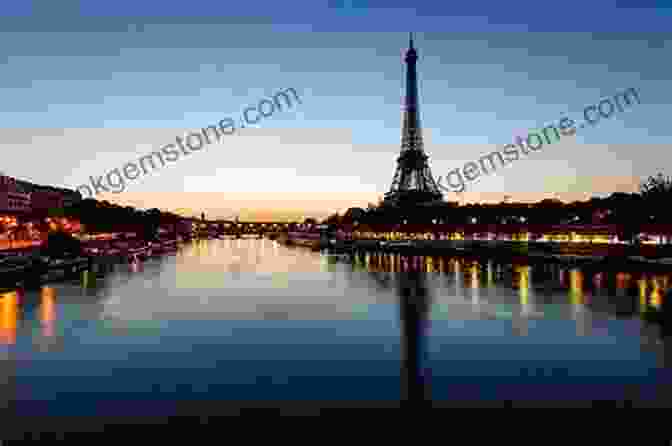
(605, 255)
(24, 270)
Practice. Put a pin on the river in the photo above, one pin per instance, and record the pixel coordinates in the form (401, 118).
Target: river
(257, 322)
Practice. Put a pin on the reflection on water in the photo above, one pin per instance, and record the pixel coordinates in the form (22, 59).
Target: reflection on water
(617, 316)
(252, 319)
(48, 311)
(538, 287)
(9, 309)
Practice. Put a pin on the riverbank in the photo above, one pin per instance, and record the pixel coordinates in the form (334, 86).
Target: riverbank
(575, 253)
(28, 268)
(31, 273)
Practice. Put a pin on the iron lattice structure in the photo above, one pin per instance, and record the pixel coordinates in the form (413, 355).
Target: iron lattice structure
(413, 182)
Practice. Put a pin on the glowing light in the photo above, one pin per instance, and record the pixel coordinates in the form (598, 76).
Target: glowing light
(474, 276)
(48, 311)
(576, 287)
(641, 283)
(524, 272)
(622, 280)
(8, 317)
(524, 297)
(597, 280)
(656, 297)
(429, 266)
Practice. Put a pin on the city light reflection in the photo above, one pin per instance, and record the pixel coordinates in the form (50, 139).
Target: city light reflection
(47, 312)
(473, 269)
(598, 281)
(136, 265)
(458, 276)
(576, 287)
(643, 301)
(524, 286)
(490, 275)
(656, 296)
(623, 281)
(9, 308)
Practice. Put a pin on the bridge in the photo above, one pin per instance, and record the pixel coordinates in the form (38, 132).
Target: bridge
(232, 227)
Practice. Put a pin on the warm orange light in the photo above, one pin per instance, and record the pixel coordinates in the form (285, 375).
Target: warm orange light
(8, 317)
(656, 296)
(474, 276)
(576, 287)
(48, 311)
(622, 280)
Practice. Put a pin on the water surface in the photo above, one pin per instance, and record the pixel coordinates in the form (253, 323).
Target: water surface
(233, 320)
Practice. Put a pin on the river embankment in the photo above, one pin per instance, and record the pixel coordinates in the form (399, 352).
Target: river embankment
(605, 254)
(32, 266)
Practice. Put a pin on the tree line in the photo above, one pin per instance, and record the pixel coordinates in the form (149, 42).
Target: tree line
(651, 205)
(96, 217)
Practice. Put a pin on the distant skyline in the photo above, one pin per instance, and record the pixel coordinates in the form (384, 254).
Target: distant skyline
(88, 85)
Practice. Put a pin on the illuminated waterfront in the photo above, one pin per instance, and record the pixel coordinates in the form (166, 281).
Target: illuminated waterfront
(233, 320)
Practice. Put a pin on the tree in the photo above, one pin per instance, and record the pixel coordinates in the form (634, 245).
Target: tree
(656, 193)
(333, 219)
(659, 184)
(151, 223)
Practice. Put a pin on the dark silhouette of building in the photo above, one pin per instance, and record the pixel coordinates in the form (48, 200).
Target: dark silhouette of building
(48, 197)
(413, 183)
(42, 201)
(13, 200)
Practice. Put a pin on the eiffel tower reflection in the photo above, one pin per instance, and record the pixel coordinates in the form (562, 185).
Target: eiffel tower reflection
(414, 303)
(407, 276)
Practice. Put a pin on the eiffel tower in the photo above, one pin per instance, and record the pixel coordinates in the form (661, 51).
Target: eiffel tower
(413, 183)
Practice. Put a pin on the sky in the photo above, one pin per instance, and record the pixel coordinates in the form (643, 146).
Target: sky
(88, 86)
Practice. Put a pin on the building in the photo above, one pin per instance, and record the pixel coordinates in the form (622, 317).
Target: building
(43, 200)
(13, 201)
(7, 183)
(22, 197)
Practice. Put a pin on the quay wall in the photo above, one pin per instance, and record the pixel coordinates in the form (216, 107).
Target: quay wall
(520, 248)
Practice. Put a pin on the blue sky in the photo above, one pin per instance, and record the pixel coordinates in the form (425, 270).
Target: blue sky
(88, 86)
